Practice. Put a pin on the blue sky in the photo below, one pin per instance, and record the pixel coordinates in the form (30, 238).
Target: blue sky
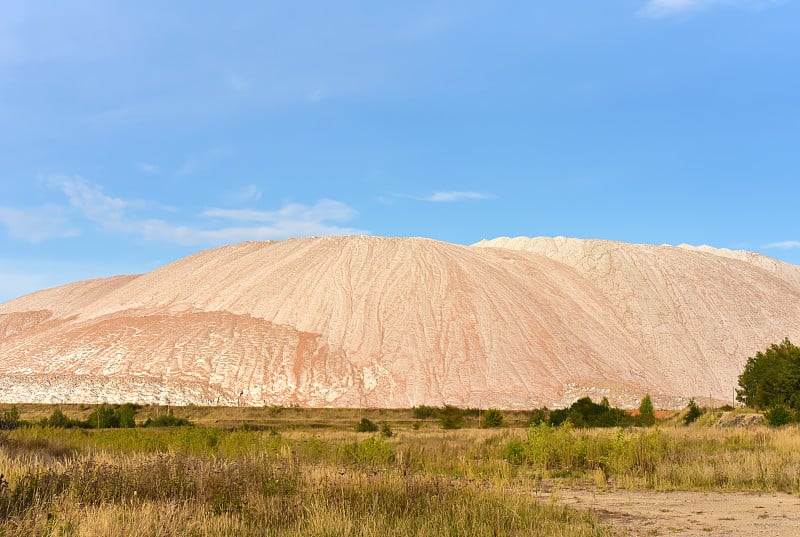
(135, 133)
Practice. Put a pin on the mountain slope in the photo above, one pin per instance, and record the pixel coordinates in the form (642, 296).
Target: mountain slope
(349, 321)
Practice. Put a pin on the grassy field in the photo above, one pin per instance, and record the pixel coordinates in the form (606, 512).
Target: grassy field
(307, 472)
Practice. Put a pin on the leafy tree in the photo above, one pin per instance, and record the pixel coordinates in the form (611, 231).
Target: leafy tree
(103, 417)
(558, 416)
(492, 418)
(125, 415)
(451, 417)
(647, 414)
(692, 412)
(366, 426)
(772, 378)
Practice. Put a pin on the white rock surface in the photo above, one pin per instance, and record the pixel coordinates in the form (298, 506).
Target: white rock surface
(370, 321)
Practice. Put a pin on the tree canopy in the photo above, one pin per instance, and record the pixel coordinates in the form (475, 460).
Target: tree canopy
(647, 413)
(772, 378)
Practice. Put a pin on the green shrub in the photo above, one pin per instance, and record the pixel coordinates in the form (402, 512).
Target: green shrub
(555, 447)
(386, 430)
(373, 450)
(366, 426)
(451, 417)
(492, 418)
(514, 451)
(779, 415)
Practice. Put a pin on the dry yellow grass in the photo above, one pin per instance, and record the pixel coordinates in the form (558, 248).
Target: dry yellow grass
(298, 478)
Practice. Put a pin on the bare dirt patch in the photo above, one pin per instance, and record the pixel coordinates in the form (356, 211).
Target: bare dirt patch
(684, 514)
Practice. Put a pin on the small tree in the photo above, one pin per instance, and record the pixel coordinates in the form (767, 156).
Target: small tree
(492, 418)
(647, 414)
(692, 412)
(58, 419)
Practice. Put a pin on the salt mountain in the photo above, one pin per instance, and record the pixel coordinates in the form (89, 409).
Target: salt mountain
(370, 321)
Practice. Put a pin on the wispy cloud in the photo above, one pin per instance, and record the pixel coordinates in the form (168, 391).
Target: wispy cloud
(784, 245)
(667, 8)
(440, 196)
(324, 209)
(117, 215)
(291, 220)
(36, 224)
(450, 196)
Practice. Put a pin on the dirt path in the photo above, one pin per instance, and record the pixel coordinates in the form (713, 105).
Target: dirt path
(684, 514)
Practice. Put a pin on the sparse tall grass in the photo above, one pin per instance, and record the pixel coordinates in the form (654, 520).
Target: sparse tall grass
(333, 481)
(360, 486)
(691, 458)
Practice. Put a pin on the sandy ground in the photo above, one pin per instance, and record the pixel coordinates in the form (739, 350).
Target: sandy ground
(684, 514)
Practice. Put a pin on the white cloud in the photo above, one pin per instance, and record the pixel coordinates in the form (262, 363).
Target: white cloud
(666, 8)
(90, 200)
(784, 245)
(324, 209)
(115, 215)
(279, 230)
(36, 224)
(450, 196)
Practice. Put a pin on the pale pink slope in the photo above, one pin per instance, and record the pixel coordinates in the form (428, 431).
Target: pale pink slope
(698, 312)
(347, 321)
